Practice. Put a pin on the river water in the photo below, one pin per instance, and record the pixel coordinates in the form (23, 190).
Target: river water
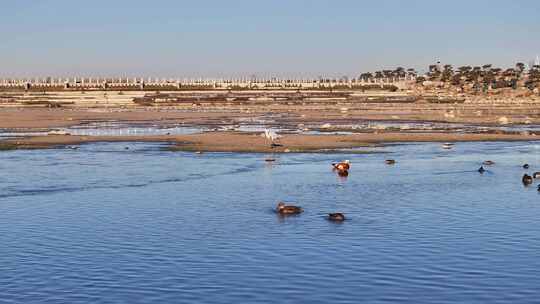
(106, 224)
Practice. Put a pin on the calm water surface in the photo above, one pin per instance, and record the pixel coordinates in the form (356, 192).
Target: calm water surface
(103, 224)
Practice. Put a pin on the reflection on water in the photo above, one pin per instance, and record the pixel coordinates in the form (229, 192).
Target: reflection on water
(106, 224)
(123, 129)
(115, 128)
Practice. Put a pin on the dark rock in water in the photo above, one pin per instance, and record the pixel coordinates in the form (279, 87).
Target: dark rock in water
(481, 169)
(336, 217)
(527, 179)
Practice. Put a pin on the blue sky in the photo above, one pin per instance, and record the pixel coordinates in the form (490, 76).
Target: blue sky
(275, 37)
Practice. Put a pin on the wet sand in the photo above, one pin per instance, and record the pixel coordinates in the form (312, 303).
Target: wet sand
(54, 118)
(285, 115)
(251, 142)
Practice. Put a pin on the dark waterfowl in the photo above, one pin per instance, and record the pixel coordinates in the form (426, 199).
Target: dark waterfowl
(269, 159)
(481, 170)
(538, 188)
(390, 161)
(536, 175)
(488, 163)
(527, 179)
(288, 209)
(343, 173)
(336, 217)
(526, 166)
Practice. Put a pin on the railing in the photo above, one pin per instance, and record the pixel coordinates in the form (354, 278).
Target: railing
(140, 83)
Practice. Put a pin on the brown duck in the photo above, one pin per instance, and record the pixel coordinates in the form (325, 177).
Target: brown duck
(527, 179)
(336, 217)
(342, 166)
(288, 209)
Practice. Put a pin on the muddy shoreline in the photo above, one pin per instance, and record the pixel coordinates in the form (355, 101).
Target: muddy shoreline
(245, 142)
(302, 129)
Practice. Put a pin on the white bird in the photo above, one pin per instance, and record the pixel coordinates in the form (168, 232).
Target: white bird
(270, 135)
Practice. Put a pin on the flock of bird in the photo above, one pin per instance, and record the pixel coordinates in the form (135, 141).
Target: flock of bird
(342, 169)
(526, 179)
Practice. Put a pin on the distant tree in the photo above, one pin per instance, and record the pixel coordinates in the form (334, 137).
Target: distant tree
(411, 72)
(456, 79)
(387, 73)
(520, 66)
(434, 72)
(510, 73)
(447, 73)
(366, 76)
(475, 74)
(534, 78)
(464, 69)
(399, 72)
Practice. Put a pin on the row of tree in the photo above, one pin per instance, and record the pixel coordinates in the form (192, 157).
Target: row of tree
(485, 76)
(477, 77)
(389, 74)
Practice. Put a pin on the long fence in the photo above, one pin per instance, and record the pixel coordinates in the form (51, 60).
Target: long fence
(96, 83)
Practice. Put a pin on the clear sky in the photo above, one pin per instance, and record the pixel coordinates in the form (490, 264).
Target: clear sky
(218, 38)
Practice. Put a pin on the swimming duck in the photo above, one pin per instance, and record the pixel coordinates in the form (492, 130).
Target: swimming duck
(488, 163)
(538, 188)
(269, 159)
(343, 173)
(390, 161)
(288, 209)
(527, 179)
(447, 146)
(342, 166)
(536, 175)
(526, 166)
(481, 169)
(336, 217)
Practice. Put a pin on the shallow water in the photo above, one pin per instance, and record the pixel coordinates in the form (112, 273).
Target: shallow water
(109, 225)
(124, 129)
